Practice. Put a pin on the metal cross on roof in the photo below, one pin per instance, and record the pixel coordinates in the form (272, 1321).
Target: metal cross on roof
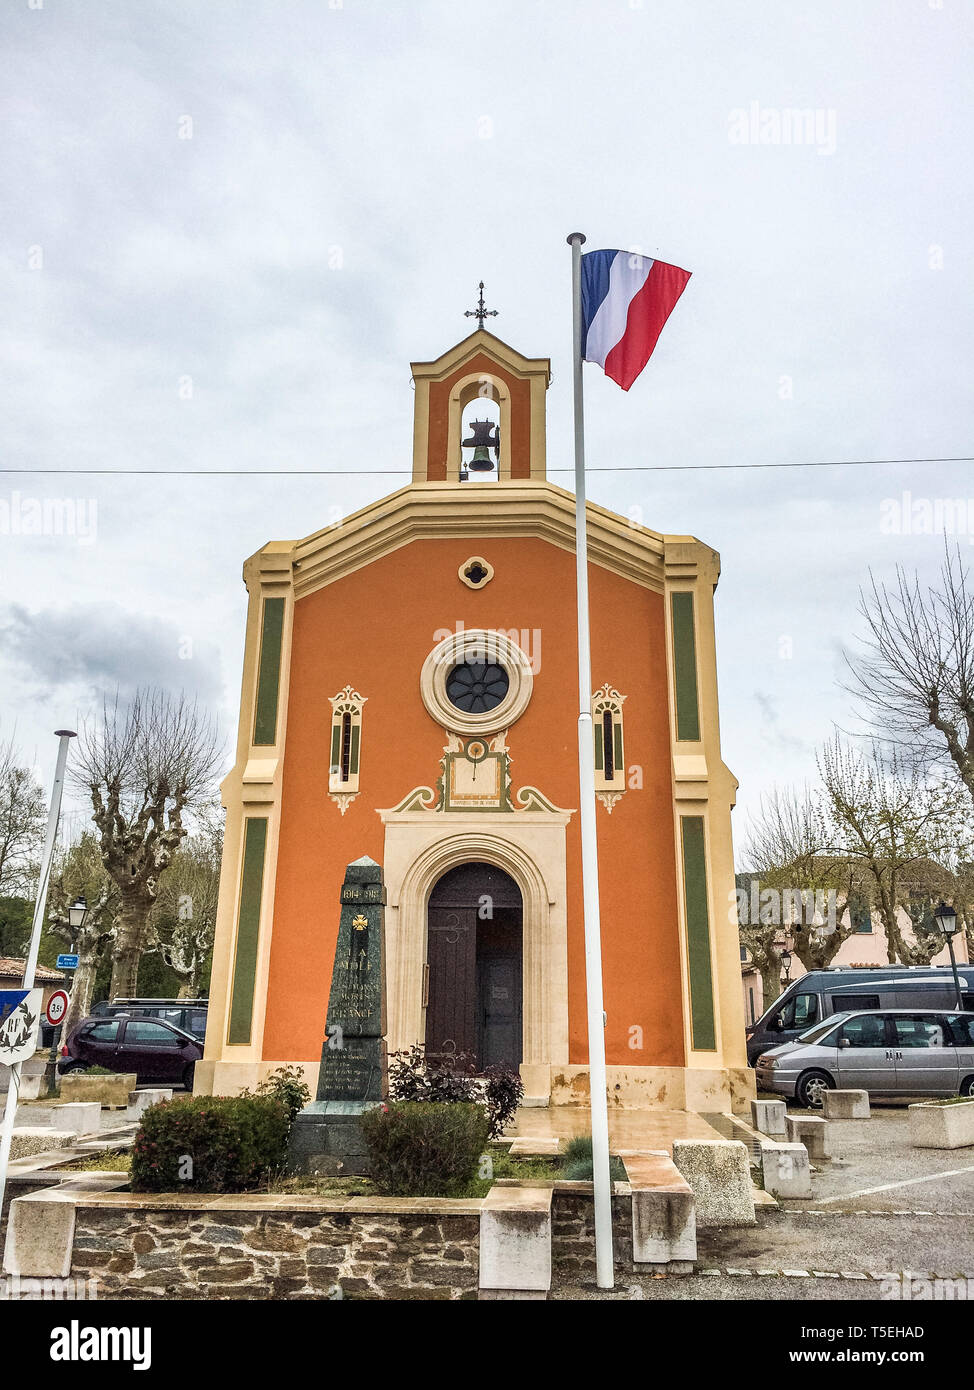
(480, 313)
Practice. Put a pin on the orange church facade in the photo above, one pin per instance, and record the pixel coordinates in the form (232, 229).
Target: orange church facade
(410, 695)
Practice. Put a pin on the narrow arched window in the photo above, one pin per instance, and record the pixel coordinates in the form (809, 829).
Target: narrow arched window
(346, 763)
(610, 763)
(346, 746)
(608, 741)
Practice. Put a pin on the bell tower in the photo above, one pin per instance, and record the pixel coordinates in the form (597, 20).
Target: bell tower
(501, 438)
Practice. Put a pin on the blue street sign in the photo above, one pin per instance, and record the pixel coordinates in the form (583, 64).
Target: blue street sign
(11, 999)
(67, 962)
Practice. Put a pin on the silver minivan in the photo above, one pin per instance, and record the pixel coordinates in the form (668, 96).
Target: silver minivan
(890, 1052)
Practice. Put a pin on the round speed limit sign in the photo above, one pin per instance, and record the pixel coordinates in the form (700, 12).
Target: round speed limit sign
(57, 1007)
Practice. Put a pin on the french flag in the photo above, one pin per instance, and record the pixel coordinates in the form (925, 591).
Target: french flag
(626, 300)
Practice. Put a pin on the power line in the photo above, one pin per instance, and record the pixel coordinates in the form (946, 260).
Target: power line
(399, 472)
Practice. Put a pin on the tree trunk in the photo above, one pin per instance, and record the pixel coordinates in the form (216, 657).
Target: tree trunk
(82, 988)
(129, 945)
(771, 984)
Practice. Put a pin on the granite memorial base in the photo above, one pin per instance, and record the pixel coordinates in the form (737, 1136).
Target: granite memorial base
(326, 1139)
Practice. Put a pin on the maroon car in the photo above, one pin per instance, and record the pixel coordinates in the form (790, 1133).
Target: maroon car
(155, 1050)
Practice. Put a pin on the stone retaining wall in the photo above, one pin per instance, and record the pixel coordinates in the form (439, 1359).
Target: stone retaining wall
(270, 1248)
(573, 1234)
(138, 1252)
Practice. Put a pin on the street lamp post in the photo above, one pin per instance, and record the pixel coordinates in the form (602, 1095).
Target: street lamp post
(946, 920)
(77, 915)
(785, 958)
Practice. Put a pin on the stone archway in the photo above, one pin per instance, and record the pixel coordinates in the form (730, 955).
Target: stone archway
(420, 848)
(474, 957)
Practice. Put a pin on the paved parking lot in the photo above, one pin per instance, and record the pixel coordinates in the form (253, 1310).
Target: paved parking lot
(879, 1209)
(875, 1168)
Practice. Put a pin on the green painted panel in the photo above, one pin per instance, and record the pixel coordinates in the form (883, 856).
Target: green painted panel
(269, 672)
(685, 668)
(598, 746)
(248, 930)
(617, 745)
(702, 1024)
(353, 751)
(336, 746)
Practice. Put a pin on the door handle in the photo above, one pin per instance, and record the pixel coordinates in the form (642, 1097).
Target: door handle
(426, 985)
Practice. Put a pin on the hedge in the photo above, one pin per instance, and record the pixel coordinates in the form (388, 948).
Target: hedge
(424, 1149)
(209, 1144)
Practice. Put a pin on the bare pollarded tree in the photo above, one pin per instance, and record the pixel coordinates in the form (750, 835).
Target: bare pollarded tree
(80, 872)
(148, 767)
(183, 920)
(903, 828)
(22, 817)
(787, 851)
(915, 675)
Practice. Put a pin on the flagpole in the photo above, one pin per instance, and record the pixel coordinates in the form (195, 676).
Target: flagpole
(586, 785)
(30, 966)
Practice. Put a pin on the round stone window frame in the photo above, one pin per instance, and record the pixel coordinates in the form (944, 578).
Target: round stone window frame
(476, 644)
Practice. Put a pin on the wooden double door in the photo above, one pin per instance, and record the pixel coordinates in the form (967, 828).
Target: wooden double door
(473, 966)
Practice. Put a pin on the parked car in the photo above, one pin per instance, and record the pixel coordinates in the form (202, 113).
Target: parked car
(896, 1052)
(187, 1014)
(823, 993)
(155, 1050)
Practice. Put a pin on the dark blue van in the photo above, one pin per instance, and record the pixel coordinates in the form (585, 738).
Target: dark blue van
(822, 992)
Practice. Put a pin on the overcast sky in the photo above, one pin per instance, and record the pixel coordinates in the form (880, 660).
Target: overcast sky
(228, 227)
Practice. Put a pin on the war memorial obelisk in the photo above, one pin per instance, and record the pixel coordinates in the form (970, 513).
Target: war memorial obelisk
(326, 1136)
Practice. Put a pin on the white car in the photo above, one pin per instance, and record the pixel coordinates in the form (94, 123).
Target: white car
(887, 1052)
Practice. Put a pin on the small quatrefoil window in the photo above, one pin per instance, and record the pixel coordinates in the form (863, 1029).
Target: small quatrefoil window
(476, 572)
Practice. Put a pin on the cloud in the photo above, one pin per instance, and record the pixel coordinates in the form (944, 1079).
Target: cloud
(98, 649)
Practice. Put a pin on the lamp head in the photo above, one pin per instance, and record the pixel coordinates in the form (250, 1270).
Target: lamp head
(78, 911)
(946, 919)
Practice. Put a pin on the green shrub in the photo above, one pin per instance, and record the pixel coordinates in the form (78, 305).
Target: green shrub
(578, 1165)
(209, 1144)
(453, 1078)
(287, 1085)
(423, 1149)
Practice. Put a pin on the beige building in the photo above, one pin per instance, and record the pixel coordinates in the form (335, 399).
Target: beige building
(866, 947)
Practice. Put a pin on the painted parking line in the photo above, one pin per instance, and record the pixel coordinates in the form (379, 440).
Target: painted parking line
(885, 1211)
(891, 1186)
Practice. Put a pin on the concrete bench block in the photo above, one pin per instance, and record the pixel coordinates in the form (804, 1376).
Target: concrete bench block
(719, 1173)
(770, 1117)
(111, 1091)
(83, 1116)
(664, 1222)
(30, 1086)
(28, 1140)
(935, 1126)
(786, 1170)
(140, 1101)
(813, 1132)
(40, 1236)
(845, 1105)
(515, 1239)
(664, 1228)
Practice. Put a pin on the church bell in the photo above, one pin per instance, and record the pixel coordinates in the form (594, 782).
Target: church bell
(485, 437)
